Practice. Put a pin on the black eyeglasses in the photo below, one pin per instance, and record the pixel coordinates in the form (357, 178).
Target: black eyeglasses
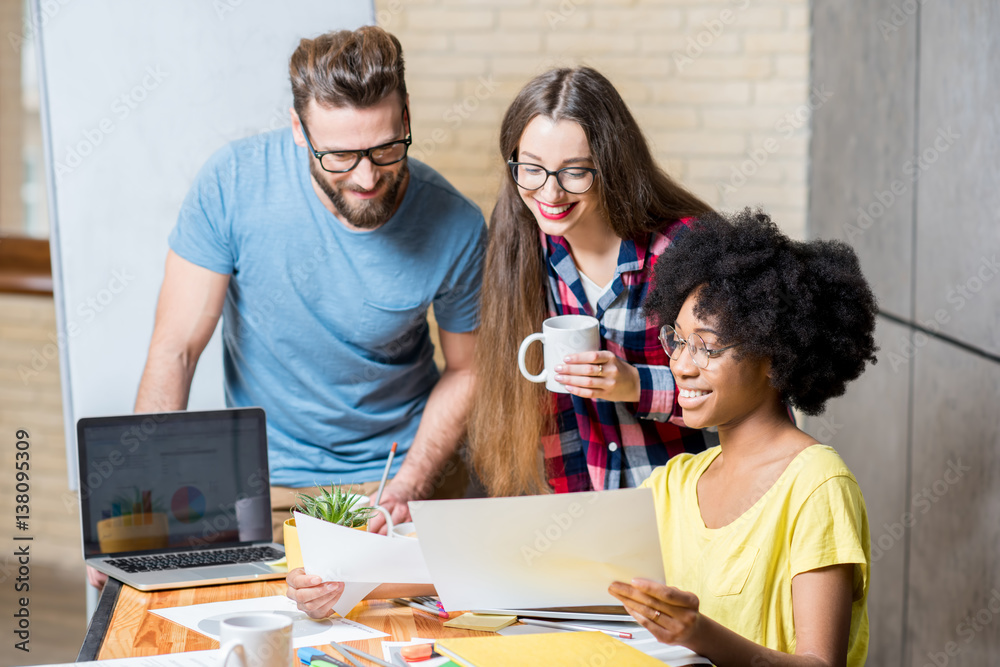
(530, 176)
(339, 162)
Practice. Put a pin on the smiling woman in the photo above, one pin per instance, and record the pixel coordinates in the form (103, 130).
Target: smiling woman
(765, 540)
(581, 221)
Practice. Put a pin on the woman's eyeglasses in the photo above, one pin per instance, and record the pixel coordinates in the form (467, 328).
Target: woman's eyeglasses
(700, 352)
(530, 176)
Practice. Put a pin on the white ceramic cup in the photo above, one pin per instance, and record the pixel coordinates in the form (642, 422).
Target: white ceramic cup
(403, 530)
(367, 502)
(257, 640)
(561, 336)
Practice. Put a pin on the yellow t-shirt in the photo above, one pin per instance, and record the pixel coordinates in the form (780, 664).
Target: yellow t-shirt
(814, 516)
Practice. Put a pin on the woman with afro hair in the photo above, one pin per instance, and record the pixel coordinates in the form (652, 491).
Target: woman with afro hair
(765, 539)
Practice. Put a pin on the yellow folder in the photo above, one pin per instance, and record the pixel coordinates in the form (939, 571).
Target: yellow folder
(551, 649)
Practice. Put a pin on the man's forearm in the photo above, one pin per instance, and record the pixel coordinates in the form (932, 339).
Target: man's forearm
(441, 429)
(166, 382)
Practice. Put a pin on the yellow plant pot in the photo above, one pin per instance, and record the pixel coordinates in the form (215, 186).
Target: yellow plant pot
(293, 552)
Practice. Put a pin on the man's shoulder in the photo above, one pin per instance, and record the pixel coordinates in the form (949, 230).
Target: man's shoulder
(250, 153)
(256, 148)
(434, 189)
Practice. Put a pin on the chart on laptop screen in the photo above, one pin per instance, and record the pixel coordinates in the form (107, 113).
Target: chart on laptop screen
(178, 483)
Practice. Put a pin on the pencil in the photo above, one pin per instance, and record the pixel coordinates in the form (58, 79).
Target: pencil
(364, 656)
(573, 626)
(385, 474)
(428, 600)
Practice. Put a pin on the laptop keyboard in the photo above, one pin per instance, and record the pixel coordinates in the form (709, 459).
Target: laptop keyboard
(158, 562)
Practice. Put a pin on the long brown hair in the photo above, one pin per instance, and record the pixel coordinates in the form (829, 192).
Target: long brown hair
(510, 414)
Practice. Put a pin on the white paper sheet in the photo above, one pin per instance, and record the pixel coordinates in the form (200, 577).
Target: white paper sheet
(210, 658)
(337, 553)
(354, 592)
(557, 550)
(205, 618)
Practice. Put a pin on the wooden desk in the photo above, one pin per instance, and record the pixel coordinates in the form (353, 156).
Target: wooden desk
(123, 628)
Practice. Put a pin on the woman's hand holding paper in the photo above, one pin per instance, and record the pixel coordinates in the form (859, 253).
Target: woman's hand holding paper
(311, 594)
(669, 613)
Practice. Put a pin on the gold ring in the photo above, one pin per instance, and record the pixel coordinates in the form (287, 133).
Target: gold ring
(600, 370)
(656, 614)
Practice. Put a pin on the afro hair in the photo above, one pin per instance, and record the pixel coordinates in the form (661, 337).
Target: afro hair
(806, 307)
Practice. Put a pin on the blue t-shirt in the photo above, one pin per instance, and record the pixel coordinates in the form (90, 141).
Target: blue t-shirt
(325, 327)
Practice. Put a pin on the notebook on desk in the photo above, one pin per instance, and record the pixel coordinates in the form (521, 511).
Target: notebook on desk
(178, 499)
(550, 649)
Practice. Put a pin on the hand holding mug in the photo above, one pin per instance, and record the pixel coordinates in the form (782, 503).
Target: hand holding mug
(599, 375)
(561, 336)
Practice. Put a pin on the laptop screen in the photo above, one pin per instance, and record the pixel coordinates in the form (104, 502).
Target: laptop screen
(173, 480)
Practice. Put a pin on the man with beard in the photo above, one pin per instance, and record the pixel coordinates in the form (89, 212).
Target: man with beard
(322, 247)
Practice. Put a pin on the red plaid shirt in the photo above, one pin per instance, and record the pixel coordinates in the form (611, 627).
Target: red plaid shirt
(602, 444)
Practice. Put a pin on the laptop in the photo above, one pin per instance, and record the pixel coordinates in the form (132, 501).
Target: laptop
(177, 499)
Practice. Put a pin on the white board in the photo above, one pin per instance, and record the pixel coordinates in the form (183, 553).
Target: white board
(135, 97)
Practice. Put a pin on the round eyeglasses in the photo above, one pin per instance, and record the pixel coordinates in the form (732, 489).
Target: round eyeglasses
(700, 353)
(574, 180)
(383, 155)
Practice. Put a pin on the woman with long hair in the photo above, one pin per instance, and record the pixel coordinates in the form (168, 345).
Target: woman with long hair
(582, 217)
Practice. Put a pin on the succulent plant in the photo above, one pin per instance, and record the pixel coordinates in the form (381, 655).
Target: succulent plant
(135, 502)
(336, 506)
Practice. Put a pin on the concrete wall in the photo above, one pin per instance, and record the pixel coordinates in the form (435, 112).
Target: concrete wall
(905, 160)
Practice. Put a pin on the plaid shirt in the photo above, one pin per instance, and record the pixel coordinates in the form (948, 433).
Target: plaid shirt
(602, 444)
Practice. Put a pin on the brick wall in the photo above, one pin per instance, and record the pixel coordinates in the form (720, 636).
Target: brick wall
(720, 88)
(11, 27)
(30, 399)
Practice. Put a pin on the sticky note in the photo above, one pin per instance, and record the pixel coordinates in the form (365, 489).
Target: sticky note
(481, 622)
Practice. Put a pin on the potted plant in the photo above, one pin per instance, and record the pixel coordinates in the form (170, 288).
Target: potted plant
(336, 506)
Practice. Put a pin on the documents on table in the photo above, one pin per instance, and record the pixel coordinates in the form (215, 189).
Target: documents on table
(210, 658)
(205, 618)
(538, 551)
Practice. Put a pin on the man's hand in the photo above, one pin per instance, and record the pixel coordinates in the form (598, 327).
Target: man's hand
(394, 498)
(311, 595)
(96, 578)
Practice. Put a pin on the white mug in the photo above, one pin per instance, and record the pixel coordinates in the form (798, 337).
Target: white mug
(365, 501)
(561, 336)
(260, 640)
